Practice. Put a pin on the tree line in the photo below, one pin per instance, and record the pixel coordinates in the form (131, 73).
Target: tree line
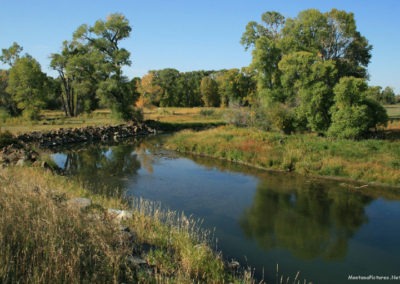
(171, 88)
(308, 73)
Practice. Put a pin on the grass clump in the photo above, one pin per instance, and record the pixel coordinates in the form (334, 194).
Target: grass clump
(45, 240)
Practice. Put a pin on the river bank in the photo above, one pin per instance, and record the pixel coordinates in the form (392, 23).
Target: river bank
(367, 161)
(65, 233)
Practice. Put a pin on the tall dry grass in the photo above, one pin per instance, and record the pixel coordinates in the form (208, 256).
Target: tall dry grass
(44, 240)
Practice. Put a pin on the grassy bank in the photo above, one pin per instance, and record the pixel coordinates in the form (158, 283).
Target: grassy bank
(45, 240)
(367, 161)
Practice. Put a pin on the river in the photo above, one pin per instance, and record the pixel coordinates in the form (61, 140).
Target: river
(327, 230)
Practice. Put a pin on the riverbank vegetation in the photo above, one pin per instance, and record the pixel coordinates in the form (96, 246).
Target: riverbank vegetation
(308, 154)
(45, 238)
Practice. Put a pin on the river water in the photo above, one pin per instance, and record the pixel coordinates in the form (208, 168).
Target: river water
(326, 230)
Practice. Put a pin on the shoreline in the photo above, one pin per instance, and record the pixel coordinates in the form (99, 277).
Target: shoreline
(309, 156)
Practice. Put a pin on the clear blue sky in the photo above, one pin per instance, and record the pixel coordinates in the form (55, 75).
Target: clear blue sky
(191, 35)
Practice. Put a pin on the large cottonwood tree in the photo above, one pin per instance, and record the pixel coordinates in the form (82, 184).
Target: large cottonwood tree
(91, 68)
(299, 61)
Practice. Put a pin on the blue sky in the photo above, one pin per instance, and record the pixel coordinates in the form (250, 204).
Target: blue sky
(191, 35)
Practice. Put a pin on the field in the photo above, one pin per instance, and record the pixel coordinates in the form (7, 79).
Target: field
(56, 119)
(393, 111)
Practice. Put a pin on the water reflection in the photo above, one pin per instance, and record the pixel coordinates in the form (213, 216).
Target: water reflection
(319, 227)
(311, 220)
(102, 169)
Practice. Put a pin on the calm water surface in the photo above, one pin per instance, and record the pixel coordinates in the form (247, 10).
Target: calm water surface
(327, 230)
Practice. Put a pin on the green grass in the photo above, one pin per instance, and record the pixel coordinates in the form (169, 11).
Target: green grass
(367, 161)
(43, 240)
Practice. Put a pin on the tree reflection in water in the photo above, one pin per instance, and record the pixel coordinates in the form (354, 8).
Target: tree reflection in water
(102, 169)
(311, 220)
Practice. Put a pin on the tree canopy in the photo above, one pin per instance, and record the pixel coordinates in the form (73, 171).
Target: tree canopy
(90, 68)
(300, 61)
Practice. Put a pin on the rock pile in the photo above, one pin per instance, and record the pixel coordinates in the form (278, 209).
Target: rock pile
(17, 154)
(78, 135)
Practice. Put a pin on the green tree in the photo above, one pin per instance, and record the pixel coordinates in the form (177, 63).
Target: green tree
(353, 115)
(90, 68)
(209, 92)
(388, 96)
(11, 55)
(235, 86)
(27, 86)
(332, 36)
(167, 80)
(299, 60)
(79, 70)
(307, 83)
(8, 106)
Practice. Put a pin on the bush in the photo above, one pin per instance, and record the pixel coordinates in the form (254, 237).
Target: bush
(239, 116)
(4, 115)
(354, 115)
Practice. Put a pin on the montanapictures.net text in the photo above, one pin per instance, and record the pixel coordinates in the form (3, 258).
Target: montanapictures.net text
(374, 277)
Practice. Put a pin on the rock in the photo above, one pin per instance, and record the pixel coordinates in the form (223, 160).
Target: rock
(79, 203)
(20, 163)
(233, 265)
(120, 214)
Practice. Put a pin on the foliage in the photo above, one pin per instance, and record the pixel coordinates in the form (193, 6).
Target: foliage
(385, 96)
(27, 86)
(352, 114)
(90, 68)
(209, 92)
(298, 62)
(236, 86)
(11, 55)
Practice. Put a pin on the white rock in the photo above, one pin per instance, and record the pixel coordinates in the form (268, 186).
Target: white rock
(120, 214)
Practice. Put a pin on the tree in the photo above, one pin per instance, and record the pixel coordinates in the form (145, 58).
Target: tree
(388, 96)
(7, 104)
(11, 55)
(167, 80)
(90, 67)
(150, 92)
(209, 92)
(307, 83)
(79, 71)
(27, 86)
(298, 61)
(353, 115)
(235, 86)
(332, 36)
